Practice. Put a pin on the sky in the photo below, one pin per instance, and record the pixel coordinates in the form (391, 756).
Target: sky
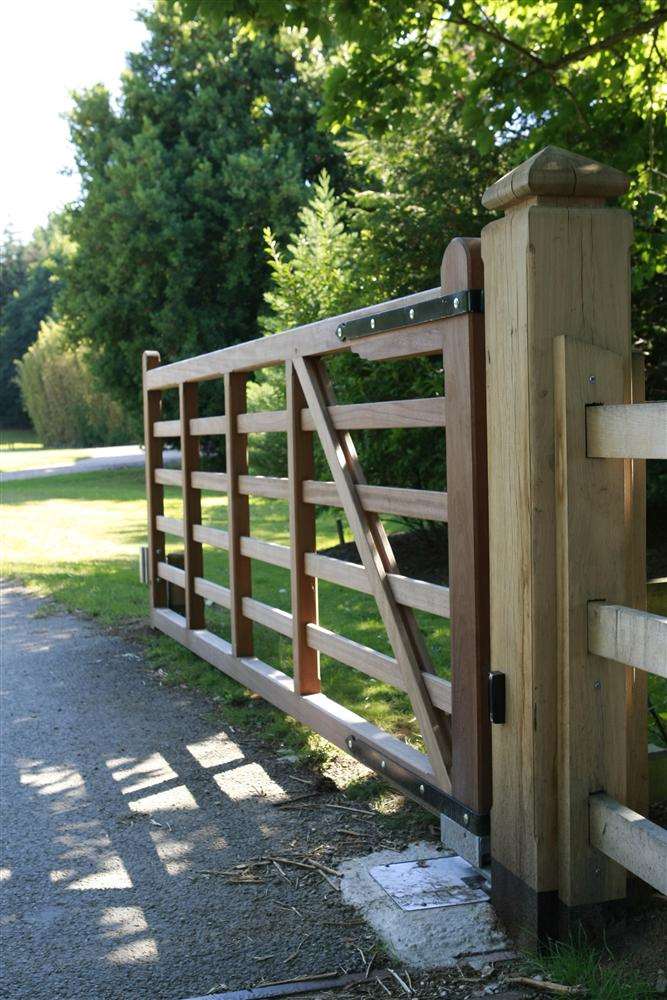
(49, 48)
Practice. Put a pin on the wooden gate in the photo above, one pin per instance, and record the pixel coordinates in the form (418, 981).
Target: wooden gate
(453, 777)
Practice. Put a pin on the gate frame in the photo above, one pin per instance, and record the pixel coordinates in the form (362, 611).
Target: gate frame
(463, 798)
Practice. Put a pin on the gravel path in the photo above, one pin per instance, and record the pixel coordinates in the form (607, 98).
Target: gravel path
(114, 457)
(118, 795)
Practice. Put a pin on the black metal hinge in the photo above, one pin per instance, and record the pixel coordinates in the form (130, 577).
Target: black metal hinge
(469, 300)
(429, 796)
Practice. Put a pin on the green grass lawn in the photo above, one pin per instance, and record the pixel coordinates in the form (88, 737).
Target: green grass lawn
(77, 539)
(20, 449)
(20, 438)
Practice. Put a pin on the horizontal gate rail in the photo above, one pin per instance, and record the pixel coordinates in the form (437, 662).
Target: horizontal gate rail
(213, 592)
(417, 594)
(631, 840)
(327, 717)
(169, 525)
(429, 412)
(627, 430)
(378, 665)
(215, 537)
(169, 477)
(172, 574)
(635, 638)
(312, 409)
(425, 505)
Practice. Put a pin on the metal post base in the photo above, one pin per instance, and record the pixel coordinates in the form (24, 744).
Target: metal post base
(475, 849)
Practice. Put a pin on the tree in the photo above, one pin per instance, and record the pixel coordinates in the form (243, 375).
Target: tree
(333, 262)
(213, 137)
(27, 292)
(515, 75)
(66, 406)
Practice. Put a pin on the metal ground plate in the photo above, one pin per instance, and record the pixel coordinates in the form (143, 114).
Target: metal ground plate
(433, 882)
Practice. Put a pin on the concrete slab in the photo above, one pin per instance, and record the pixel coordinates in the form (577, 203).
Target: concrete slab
(432, 938)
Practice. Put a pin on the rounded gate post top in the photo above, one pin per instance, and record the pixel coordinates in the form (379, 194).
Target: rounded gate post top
(556, 173)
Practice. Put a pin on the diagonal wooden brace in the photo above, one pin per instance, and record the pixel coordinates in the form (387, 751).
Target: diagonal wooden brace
(378, 560)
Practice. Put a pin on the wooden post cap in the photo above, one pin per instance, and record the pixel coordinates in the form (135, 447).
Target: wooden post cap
(555, 172)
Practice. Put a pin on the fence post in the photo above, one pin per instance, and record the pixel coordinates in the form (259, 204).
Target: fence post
(555, 265)
(154, 491)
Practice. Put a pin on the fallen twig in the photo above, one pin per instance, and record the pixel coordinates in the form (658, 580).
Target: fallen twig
(548, 987)
(292, 799)
(352, 809)
(283, 874)
(284, 906)
(331, 883)
(308, 864)
(401, 982)
(298, 949)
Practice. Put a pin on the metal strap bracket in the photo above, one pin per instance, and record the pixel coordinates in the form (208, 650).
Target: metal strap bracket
(469, 300)
(429, 796)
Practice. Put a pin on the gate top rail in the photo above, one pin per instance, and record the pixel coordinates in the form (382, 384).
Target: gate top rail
(318, 338)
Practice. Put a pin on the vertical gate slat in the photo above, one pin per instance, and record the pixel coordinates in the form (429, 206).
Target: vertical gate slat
(303, 537)
(238, 513)
(152, 400)
(468, 531)
(194, 560)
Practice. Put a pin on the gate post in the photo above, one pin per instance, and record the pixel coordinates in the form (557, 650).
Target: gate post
(556, 265)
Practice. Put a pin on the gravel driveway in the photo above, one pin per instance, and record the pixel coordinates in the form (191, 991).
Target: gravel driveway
(102, 459)
(119, 796)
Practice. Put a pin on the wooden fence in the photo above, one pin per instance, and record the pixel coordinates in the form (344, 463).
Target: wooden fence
(453, 776)
(598, 496)
(567, 435)
(543, 387)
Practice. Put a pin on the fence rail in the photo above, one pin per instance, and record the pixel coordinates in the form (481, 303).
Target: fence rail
(636, 638)
(631, 840)
(627, 430)
(597, 494)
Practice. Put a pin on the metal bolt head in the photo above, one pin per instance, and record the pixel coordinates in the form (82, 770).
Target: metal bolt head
(421, 789)
(372, 324)
(456, 302)
(411, 314)
(597, 870)
(466, 819)
(349, 743)
(339, 332)
(592, 379)
(597, 685)
(383, 764)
